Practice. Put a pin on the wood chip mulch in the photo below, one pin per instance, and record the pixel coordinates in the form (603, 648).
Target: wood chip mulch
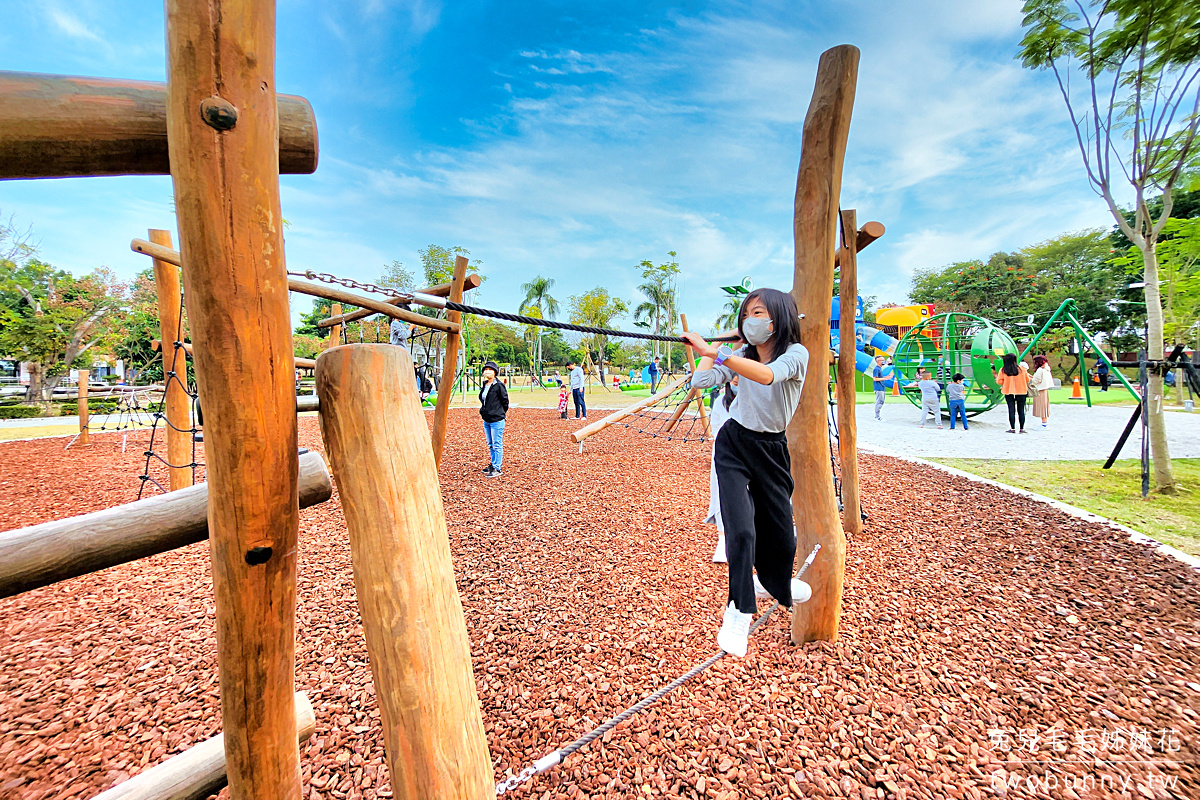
(990, 645)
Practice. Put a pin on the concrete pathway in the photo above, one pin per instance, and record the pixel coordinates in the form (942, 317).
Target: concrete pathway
(1074, 433)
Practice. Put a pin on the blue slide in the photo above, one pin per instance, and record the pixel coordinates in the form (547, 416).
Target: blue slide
(865, 336)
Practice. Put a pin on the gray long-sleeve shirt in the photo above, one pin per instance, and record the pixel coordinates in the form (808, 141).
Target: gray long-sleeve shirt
(764, 408)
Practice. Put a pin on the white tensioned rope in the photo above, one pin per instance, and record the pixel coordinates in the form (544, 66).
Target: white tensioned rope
(552, 760)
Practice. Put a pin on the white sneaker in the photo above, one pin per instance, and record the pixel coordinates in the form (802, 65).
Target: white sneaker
(734, 635)
(719, 553)
(760, 591)
(801, 591)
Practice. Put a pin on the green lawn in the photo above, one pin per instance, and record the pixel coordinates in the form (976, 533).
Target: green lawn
(1114, 493)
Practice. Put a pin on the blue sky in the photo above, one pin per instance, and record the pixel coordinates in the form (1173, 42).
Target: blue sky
(573, 140)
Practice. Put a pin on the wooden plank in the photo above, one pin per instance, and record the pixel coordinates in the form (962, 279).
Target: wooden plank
(198, 772)
(177, 405)
(374, 429)
(67, 548)
(818, 185)
(847, 394)
(57, 126)
(375, 306)
(472, 281)
(441, 412)
(221, 58)
(595, 427)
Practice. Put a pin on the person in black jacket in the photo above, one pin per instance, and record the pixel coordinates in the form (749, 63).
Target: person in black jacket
(493, 406)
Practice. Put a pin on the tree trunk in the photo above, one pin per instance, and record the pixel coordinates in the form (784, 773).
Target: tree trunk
(37, 379)
(1160, 455)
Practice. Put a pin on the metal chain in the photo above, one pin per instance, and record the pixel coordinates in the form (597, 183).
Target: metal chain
(349, 283)
(547, 762)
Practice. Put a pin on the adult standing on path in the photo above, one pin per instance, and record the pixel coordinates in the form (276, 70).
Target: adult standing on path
(1042, 383)
(653, 375)
(1102, 374)
(1014, 382)
(575, 376)
(880, 386)
(400, 332)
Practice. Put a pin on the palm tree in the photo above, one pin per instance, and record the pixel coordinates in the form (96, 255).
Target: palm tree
(537, 296)
(729, 314)
(654, 308)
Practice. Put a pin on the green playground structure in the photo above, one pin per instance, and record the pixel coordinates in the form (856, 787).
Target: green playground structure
(1066, 313)
(950, 343)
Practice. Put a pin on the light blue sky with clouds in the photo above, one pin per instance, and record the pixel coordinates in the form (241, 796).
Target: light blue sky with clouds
(573, 140)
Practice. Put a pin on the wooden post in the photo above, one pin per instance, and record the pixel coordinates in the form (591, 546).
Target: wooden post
(449, 363)
(81, 392)
(847, 391)
(199, 772)
(335, 331)
(416, 634)
(176, 403)
(818, 185)
(699, 395)
(224, 145)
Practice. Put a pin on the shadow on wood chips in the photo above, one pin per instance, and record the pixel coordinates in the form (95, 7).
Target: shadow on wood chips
(990, 644)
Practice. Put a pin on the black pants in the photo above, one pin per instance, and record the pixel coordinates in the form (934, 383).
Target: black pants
(754, 477)
(577, 397)
(1104, 381)
(1016, 409)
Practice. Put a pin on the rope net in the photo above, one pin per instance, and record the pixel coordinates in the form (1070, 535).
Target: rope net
(159, 413)
(674, 417)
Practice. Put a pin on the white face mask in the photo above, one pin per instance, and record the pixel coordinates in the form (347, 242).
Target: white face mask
(757, 330)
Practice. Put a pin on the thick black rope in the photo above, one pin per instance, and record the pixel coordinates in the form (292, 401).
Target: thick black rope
(566, 326)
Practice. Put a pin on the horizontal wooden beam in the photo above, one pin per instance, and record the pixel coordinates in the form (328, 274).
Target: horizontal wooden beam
(374, 306)
(199, 772)
(55, 551)
(57, 126)
(158, 251)
(302, 363)
(472, 281)
(869, 232)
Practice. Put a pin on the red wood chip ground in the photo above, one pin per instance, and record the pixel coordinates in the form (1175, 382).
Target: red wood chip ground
(990, 644)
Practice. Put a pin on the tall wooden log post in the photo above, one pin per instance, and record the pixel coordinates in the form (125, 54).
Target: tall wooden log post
(847, 391)
(374, 430)
(818, 185)
(81, 400)
(224, 152)
(335, 331)
(691, 357)
(441, 412)
(177, 404)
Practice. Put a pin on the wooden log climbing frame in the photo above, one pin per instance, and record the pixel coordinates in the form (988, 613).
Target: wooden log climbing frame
(847, 350)
(57, 126)
(818, 186)
(223, 138)
(612, 419)
(441, 412)
(416, 634)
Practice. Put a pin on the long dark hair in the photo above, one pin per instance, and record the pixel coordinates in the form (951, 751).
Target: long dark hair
(1010, 364)
(782, 310)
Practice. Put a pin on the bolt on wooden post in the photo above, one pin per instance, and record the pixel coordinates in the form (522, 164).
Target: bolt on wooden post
(226, 178)
(416, 634)
(818, 185)
(176, 403)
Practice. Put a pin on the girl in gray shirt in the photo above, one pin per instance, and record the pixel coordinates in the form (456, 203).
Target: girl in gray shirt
(754, 470)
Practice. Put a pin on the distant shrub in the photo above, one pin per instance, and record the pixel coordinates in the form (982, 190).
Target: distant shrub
(19, 412)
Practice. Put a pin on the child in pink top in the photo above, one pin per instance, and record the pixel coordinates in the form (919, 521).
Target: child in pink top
(563, 393)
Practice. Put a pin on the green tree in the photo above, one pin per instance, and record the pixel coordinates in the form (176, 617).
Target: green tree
(596, 309)
(728, 319)
(661, 293)
(538, 303)
(1136, 64)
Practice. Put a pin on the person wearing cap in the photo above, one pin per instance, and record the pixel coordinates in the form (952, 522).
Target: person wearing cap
(493, 407)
